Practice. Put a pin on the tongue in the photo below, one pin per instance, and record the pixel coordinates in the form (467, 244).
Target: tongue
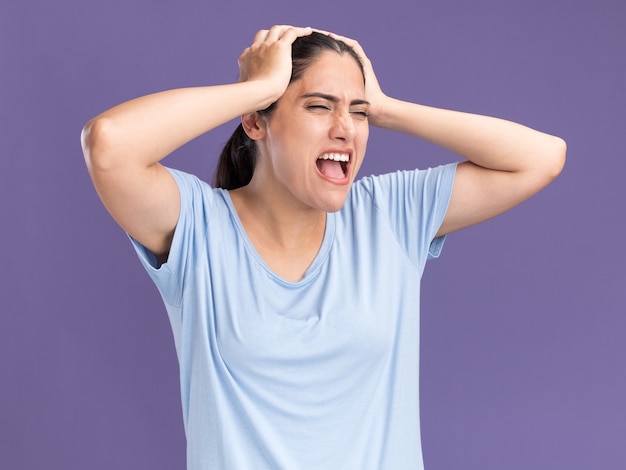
(330, 168)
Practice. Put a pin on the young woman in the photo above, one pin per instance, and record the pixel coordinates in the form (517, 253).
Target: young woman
(292, 290)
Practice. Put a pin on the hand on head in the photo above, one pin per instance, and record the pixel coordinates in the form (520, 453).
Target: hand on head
(268, 59)
(373, 92)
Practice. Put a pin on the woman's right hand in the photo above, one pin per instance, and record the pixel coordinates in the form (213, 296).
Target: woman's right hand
(124, 145)
(268, 59)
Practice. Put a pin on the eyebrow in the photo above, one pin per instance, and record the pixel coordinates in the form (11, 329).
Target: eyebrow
(332, 99)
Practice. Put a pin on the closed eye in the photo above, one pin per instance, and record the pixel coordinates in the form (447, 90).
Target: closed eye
(318, 106)
(360, 114)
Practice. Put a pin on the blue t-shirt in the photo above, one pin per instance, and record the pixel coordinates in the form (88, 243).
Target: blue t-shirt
(316, 374)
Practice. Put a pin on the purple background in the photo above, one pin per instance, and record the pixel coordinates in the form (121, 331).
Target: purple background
(524, 332)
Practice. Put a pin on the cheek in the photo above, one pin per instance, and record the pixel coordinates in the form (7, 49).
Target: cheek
(363, 137)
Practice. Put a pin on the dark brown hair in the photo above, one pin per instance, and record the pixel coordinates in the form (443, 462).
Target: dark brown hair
(238, 157)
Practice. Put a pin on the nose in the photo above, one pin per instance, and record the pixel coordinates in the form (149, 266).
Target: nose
(342, 127)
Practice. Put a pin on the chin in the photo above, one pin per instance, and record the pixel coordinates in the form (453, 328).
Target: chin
(333, 209)
(333, 205)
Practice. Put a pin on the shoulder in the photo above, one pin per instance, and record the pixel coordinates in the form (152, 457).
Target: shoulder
(195, 191)
(188, 180)
(403, 183)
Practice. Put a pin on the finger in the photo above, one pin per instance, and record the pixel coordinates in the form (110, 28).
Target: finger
(275, 33)
(322, 31)
(349, 41)
(292, 33)
(352, 43)
(260, 36)
(244, 54)
(278, 31)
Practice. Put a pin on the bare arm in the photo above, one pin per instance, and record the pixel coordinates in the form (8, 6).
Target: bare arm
(123, 146)
(507, 162)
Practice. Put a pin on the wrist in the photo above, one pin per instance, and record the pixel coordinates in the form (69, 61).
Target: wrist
(261, 93)
(381, 112)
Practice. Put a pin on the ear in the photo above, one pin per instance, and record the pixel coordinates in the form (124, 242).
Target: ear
(254, 125)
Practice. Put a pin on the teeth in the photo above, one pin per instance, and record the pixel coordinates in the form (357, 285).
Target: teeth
(338, 157)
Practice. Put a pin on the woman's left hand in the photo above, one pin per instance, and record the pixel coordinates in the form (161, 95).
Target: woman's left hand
(373, 91)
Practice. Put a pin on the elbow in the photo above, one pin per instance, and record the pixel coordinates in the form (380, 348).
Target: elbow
(98, 144)
(558, 156)
(554, 158)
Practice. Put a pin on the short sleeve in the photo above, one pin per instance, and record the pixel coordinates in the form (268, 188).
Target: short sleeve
(415, 203)
(187, 243)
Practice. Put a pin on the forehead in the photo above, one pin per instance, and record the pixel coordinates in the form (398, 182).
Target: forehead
(334, 73)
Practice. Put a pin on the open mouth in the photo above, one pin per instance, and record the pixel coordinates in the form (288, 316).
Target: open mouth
(334, 165)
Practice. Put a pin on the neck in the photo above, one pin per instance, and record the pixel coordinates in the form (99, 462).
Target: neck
(275, 221)
(286, 238)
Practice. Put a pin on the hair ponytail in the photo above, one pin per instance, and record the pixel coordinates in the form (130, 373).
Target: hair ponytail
(237, 161)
